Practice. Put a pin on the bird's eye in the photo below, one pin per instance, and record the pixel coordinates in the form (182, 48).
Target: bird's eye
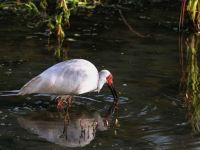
(109, 79)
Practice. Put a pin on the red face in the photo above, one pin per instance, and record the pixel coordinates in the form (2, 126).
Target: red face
(109, 79)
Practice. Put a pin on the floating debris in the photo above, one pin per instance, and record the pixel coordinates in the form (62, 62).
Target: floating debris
(2, 124)
(77, 35)
(71, 40)
(124, 84)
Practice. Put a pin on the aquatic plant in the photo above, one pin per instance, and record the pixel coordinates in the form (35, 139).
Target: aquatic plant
(190, 85)
(55, 14)
(191, 10)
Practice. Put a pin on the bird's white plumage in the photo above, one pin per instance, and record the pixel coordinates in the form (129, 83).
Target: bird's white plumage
(102, 79)
(76, 76)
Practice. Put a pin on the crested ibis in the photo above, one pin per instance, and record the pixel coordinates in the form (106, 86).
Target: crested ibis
(71, 77)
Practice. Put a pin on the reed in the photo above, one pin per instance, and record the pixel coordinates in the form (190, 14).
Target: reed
(190, 86)
(55, 14)
(190, 15)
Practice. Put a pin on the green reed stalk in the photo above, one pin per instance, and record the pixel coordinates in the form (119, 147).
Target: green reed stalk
(192, 95)
(192, 8)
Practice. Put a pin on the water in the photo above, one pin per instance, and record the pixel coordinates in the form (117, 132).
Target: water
(146, 74)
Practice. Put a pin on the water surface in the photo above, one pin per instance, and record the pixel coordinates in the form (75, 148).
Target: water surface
(146, 74)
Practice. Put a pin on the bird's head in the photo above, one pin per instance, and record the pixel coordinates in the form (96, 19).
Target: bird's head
(106, 77)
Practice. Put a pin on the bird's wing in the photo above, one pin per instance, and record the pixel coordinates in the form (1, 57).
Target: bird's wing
(68, 77)
(29, 87)
(39, 84)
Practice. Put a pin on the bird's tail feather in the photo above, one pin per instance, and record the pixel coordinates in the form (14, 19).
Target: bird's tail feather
(9, 93)
(30, 87)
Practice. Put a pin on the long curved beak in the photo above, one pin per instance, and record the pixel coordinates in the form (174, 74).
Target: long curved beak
(113, 91)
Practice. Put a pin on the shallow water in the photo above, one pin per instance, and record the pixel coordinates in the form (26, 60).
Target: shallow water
(146, 74)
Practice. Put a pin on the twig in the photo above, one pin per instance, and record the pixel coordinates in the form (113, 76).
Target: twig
(129, 26)
(114, 6)
(182, 15)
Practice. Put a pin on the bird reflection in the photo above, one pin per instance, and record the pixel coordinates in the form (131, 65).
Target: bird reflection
(79, 131)
(65, 103)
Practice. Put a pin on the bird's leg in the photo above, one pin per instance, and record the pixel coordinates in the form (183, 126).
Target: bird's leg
(64, 101)
(66, 121)
(69, 101)
(60, 103)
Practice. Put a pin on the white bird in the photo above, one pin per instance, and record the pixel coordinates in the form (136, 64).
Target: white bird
(71, 77)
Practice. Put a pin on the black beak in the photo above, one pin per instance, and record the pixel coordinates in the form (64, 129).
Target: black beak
(114, 93)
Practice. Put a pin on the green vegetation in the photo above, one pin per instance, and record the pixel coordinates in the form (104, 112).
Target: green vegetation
(190, 17)
(191, 82)
(53, 16)
(192, 8)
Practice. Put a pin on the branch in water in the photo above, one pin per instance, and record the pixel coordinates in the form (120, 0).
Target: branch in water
(129, 26)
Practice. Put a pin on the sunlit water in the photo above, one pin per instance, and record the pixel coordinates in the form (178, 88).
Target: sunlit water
(146, 74)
